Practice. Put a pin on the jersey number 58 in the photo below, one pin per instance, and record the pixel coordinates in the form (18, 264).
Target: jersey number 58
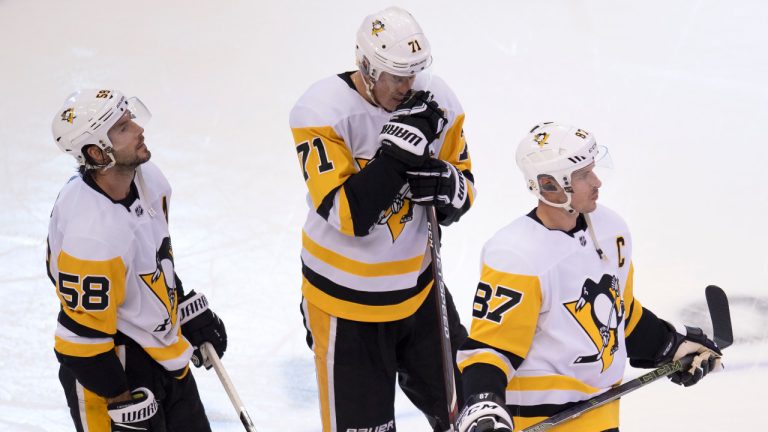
(94, 291)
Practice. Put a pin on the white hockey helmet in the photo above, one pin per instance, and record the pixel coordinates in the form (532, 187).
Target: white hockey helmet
(86, 117)
(392, 41)
(555, 150)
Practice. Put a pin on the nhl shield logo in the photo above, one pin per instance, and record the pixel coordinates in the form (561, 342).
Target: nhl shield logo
(139, 210)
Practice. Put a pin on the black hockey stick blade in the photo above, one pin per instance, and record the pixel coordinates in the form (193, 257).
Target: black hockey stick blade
(720, 313)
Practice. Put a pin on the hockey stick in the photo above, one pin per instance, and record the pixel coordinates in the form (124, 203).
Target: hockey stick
(717, 302)
(210, 353)
(441, 302)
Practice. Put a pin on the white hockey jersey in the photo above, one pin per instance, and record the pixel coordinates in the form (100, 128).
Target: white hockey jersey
(379, 276)
(553, 316)
(112, 265)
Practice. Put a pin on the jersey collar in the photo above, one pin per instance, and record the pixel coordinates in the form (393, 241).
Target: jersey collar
(581, 223)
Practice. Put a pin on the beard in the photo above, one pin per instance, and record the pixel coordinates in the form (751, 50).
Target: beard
(134, 161)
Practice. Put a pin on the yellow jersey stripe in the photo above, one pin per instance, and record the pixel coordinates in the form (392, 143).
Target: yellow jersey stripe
(629, 299)
(346, 225)
(168, 353)
(548, 383)
(360, 312)
(73, 349)
(359, 268)
(486, 357)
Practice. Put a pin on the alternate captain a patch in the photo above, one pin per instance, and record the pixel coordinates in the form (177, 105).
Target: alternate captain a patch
(599, 311)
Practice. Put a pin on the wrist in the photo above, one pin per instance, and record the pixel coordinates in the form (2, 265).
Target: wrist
(122, 397)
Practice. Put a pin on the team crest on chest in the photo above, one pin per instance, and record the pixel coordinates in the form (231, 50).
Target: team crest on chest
(162, 282)
(599, 311)
(399, 213)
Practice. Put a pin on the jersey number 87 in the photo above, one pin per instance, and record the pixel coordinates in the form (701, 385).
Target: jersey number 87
(481, 308)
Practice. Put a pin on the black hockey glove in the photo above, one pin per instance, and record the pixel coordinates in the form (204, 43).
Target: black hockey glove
(484, 412)
(690, 341)
(199, 324)
(414, 124)
(135, 414)
(437, 183)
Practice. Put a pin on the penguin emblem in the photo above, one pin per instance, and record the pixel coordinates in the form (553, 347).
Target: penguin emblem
(599, 310)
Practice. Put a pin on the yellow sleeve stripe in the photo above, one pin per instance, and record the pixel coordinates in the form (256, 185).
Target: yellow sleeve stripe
(517, 326)
(486, 357)
(471, 191)
(454, 145)
(183, 374)
(345, 215)
(632, 304)
(549, 383)
(325, 159)
(359, 268)
(93, 306)
(360, 312)
(73, 349)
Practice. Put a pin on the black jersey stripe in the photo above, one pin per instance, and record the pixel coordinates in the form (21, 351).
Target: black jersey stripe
(79, 329)
(471, 344)
(543, 410)
(387, 298)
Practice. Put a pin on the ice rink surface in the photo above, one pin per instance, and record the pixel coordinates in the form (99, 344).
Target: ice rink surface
(676, 90)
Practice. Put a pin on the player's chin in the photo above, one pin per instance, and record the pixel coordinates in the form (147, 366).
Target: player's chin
(144, 156)
(391, 104)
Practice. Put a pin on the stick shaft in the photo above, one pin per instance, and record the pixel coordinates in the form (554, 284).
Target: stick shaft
(717, 301)
(210, 353)
(441, 302)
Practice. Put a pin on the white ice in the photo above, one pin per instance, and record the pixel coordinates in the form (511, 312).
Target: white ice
(676, 89)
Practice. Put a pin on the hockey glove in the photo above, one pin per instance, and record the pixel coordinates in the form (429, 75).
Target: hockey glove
(484, 412)
(414, 124)
(437, 183)
(199, 324)
(691, 340)
(135, 414)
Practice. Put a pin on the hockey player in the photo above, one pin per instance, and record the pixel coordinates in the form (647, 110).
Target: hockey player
(371, 144)
(126, 329)
(554, 315)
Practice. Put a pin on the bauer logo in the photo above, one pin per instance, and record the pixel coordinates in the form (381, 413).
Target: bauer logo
(377, 27)
(386, 427)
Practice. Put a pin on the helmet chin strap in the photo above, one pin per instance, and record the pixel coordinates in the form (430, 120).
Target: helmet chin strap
(567, 207)
(142, 187)
(369, 89)
(591, 230)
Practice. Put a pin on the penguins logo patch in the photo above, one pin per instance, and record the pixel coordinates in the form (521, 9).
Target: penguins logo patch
(68, 115)
(599, 311)
(399, 213)
(377, 27)
(541, 138)
(162, 282)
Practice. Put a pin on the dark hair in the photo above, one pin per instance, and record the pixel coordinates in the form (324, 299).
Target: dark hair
(88, 160)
